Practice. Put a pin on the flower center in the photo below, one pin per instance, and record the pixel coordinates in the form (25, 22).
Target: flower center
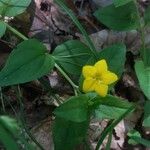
(98, 78)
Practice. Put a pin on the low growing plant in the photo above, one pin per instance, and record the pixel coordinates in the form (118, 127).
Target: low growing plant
(96, 71)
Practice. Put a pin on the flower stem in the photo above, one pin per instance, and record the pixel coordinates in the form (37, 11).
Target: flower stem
(16, 32)
(2, 100)
(74, 86)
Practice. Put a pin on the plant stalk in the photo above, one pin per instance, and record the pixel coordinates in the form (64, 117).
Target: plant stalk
(74, 86)
(2, 100)
(16, 32)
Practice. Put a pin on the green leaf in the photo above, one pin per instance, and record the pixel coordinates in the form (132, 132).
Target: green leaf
(11, 135)
(121, 2)
(112, 55)
(9, 123)
(133, 133)
(119, 18)
(75, 20)
(146, 121)
(110, 100)
(141, 141)
(12, 8)
(110, 107)
(147, 16)
(113, 124)
(2, 28)
(27, 62)
(146, 58)
(143, 75)
(108, 145)
(108, 112)
(67, 134)
(72, 55)
(8, 132)
(135, 138)
(75, 109)
(115, 56)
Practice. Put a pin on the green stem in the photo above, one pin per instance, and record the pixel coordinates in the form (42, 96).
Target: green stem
(20, 101)
(108, 146)
(74, 86)
(16, 32)
(8, 100)
(33, 138)
(112, 126)
(2, 100)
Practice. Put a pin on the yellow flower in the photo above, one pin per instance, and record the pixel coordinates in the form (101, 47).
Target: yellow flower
(97, 78)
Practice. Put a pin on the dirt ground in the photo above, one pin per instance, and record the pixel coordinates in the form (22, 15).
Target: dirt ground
(47, 22)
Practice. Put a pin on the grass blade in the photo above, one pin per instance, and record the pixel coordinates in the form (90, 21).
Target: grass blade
(78, 24)
(112, 126)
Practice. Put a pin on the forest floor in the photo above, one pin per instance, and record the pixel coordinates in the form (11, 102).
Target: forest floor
(47, 22)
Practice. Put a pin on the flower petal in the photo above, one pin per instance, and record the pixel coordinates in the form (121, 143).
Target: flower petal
(109, 77)
(101, 66)
(101, 89)
(89, 84)
(88, 71)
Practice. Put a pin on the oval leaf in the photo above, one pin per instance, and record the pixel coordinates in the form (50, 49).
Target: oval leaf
(75, 109)
(67, 134)
(27, 62)
(8, 132)
(146, 121)
(72, 55)
(115, 57)
(11, 133)
(143, 75)
(12, 8)
(119, 18)
(111, 107)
